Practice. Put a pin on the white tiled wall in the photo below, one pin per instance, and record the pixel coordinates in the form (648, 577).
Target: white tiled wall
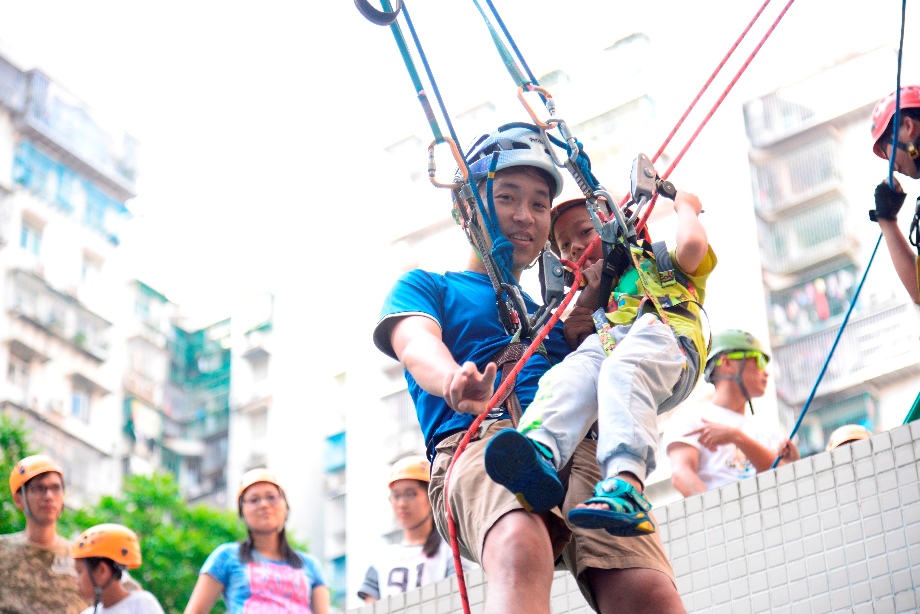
(836, 532)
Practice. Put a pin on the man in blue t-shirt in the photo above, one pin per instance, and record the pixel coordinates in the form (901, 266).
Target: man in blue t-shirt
(446, 332)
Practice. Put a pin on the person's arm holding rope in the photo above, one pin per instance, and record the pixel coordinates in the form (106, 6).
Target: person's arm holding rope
(417, 342)
(888, 203)
(713, 434)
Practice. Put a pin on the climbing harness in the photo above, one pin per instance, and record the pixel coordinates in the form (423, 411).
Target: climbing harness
(618, 229)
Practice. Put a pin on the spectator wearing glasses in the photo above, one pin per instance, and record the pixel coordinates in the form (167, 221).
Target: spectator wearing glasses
(263, 573)
(716, 443)
(37, 572)
(421, 557)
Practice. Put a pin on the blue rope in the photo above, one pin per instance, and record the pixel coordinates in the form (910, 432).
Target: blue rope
(583, 162)
(434, 85)
(502, 250)
(830, 354)
(894, 149)
(896, 120)
(514, 47)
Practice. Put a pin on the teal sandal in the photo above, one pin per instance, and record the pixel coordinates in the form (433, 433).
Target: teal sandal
(628, 513)
(519, 464)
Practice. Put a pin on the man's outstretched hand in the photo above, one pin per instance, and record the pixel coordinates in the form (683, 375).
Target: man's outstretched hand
(468, 391)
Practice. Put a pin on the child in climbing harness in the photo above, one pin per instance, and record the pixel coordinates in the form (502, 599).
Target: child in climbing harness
(888, 198)
(643, 360)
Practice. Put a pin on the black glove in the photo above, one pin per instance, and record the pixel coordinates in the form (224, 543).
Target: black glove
(887, 203)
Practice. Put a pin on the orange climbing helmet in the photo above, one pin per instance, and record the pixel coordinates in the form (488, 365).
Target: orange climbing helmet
(410, 468)
(32, 466)
(846, 434)
(110, 541)
(884, 111)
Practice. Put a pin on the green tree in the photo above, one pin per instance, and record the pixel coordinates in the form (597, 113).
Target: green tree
(14, 446)
(175, 537)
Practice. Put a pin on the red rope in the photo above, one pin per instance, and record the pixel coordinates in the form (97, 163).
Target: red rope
(709, 81)
(510, 380)
(715, 106)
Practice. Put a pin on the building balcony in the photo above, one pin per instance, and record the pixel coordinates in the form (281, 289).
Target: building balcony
(878, 345)
(67, 126)
(258, 344)
(12, 86)
(816, 302)
(820, 99)
(806, 237)
(209, 424)
(796, 177)
(87, 468)
(144, 388)
(56, 314)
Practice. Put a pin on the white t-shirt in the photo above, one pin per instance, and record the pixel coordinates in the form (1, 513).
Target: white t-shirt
(137, 602)
(727, 464)
(399, 568)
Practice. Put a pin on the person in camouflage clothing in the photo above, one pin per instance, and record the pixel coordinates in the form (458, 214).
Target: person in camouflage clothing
(37, 571)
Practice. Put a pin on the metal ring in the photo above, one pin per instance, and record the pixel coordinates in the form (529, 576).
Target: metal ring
(381, 18)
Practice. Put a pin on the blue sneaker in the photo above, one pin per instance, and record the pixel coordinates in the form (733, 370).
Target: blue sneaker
(628, 513)
(521, 466)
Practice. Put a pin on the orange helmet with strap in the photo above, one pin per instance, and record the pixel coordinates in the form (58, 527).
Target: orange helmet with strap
(110, 541)
(410, 468)
(32, 466)
(884, 111)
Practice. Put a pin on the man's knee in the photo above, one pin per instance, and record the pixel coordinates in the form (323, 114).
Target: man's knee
(518, 540)
(634, 590)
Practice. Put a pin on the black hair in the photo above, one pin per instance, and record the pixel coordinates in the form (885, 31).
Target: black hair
(544, 176)
(911, 112)
(433, 541)
(92, 562)
(287, 552)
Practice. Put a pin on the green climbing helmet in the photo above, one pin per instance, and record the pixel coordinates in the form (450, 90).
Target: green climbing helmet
(731, 340)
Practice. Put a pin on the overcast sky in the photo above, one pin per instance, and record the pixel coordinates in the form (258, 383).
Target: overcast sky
(262, 124)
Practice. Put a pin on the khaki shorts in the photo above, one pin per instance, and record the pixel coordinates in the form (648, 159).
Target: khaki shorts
(477, 503)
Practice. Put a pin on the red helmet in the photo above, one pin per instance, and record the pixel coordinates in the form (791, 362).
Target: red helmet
(884, 111)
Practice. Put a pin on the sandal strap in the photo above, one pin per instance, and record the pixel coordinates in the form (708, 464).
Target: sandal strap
(616, 492)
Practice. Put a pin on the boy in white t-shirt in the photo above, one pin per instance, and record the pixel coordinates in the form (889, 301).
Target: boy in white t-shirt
(102, 553)
(715, 443)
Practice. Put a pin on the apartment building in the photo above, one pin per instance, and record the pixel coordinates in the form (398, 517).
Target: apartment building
(786, 176)
(65, 180)
(105, 372)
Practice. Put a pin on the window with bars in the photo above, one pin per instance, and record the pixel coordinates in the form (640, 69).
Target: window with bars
(30, 237)
(81, 399)
(795, 176)
(805, 238)
(17, 371)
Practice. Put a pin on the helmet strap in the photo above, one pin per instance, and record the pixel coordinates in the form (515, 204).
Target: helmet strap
(737, 378)
(744, 391)
(25, 504)
(911, 149)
